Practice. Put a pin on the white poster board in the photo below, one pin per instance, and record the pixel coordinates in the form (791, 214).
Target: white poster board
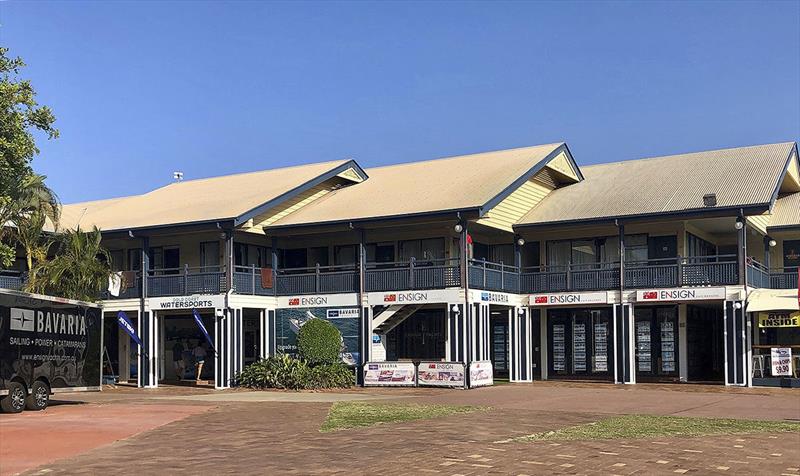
(781, 358)
(441, 374)
(389, 374)
(481, 374)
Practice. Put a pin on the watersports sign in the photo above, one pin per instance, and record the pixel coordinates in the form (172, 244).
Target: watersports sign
(781, 358)
(480, 374)
(681, 294)
(568, 299)
(779, 319)
(392, 374)
(441, 374)
(318, 300)
(196, 301)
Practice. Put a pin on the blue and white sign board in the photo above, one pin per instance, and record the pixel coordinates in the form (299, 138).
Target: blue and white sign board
(389, 374)
(481, 374)
(441, 374)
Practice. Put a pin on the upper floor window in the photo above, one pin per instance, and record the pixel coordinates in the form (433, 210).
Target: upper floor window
(696, 246)
(422, 250)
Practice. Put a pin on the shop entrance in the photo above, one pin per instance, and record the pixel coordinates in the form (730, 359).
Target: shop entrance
(705, 351)
(251, 330)
(421, 336)
(580, 344)
(500, 343)
(184, 347)
(656, 334)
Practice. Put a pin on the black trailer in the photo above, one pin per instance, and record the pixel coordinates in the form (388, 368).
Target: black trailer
(47, 345)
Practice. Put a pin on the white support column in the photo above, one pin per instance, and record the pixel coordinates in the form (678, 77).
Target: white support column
(737, 351)
(543, 342)
(683, 354)
(151, 378)
(624, 344)
(222, 344)
(520, 335)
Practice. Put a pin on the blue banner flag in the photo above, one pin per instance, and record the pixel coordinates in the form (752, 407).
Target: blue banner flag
(199, 322)
(127, 326)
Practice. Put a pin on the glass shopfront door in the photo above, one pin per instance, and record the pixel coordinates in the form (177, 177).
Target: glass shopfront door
(656, 334)
(580, 343)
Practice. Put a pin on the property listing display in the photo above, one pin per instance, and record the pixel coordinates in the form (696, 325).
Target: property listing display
(600, 357)
(289, 322)
(580, 343)
(390, 374)
(441, 374)
(559, 351)
(643, 356)
(656, 341)
(667, 346)
(578, 347)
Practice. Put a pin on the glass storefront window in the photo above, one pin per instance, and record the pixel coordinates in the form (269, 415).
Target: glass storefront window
(656, 334)
(580, 343)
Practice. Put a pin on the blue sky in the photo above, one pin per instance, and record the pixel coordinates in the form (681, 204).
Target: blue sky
(144, 88)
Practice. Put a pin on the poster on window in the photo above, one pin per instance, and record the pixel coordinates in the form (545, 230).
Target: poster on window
(781, 358)
(389, 374)
(644, 360)
(601, 347)
(559, 354)
(578, 347)
(289, 322)
(667, 346)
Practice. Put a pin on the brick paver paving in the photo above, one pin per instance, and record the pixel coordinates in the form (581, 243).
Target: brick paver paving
(284, 438)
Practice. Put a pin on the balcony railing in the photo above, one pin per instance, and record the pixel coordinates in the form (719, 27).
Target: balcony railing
(413, 274)
(758, 276)
(317, 280)
(783, 278)
(186, 281)
(655, 273)
(571, 277)
(490, 276)
(11, 279)
(248, 280)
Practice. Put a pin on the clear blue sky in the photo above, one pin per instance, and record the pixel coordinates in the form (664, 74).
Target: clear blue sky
(144, 88)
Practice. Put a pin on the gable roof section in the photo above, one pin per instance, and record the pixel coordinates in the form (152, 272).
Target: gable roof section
(235, 197)
(740, 177)
(786, 213)
(468, 182)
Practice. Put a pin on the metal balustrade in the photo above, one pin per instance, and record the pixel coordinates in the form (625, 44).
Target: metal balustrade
(758, 275)
(412, 274)
(489, 276)
(784, 278)
(571, 277)
(317, 280)
(247, 280)
(11, 279)
(186, 281)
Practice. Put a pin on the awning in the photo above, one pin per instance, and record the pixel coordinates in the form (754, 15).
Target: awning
(772, 300)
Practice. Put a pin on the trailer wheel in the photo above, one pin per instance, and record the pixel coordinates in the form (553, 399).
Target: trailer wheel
(39, 397)
(14, 402)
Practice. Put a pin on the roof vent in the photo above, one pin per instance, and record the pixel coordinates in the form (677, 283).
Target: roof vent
(710, 199)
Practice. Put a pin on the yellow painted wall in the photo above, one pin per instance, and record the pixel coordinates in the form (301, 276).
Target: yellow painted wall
(560, 163)
(759, 222)
(512, 208)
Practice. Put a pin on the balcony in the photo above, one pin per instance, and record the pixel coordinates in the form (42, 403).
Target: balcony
(11, 279)
(717, 270)
(413, 274)
(317, 280)
(186, 281)
(758, 276)
(489, 276)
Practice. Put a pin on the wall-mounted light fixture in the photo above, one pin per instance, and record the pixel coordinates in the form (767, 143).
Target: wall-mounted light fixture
(739, 224)
(458, 228)
(521, 241)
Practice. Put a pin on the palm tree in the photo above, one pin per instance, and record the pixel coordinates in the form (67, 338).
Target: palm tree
(80, 268)
(26, 212)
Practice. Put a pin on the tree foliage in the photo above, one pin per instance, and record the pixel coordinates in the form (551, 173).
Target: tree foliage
(20, 117)
(319, 342)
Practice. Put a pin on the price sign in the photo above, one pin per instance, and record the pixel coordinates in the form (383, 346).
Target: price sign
(781, 358)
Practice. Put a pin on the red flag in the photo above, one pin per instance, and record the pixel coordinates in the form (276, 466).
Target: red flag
(469, 239)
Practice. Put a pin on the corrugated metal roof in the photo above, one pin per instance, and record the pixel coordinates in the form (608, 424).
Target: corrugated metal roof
(216, 198)
(741, 176)
(452, 183)
(786, 212)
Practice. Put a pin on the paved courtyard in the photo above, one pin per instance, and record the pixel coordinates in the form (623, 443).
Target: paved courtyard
(194, 431)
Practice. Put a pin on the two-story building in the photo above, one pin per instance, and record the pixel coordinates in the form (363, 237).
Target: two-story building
(630, 271)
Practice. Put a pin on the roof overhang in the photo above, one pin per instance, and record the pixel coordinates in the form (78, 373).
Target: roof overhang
(678, 215)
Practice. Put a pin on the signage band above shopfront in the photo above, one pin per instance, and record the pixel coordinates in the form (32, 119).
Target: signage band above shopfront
(568, 299)
(779, 319)
(681, 294)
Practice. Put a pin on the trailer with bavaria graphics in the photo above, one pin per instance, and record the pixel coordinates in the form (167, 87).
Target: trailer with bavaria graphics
(47, 345)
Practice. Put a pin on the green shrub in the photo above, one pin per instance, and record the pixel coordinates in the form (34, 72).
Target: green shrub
(287, 372)
(336, 375)
(279, 371)
(319, 342)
